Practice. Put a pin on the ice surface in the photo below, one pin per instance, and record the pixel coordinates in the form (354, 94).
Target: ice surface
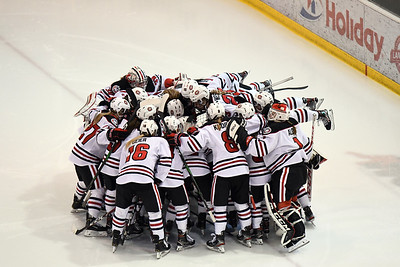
(54, 53)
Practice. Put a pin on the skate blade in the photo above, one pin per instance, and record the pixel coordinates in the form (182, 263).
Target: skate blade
(161, 254)
(257, 241)
(78, 210)
(91, 233)
(181, 248)
(246, 243)
(298, 245)
(220, 249)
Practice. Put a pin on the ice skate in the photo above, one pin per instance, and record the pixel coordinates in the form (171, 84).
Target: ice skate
(162, 248)
(244, 237)
(265, 226)
(217, 243)
(184, 241)
(133, 230)
(243, 74)
(308, 214)
(116, 240)
(94, 229)
(77, 205)
(296, 244)
(313, 103)
(257, 236)
(326, 116)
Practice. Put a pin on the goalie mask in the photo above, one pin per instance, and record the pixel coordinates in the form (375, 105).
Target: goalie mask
(120, 106)
(148, 127)
(146, 112)
(245, 109)
(136, 77)
(173, 124)
(278, 112)
(262, 99)
(175, 108)
(215, 110)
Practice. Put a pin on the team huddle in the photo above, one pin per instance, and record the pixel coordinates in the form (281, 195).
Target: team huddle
(152, 148)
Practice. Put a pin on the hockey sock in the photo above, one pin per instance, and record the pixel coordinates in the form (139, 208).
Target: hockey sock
(244, 214)
(156, 224)
(220, 216)
(182, 217)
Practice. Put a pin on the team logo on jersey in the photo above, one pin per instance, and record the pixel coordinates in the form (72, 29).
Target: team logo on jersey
(395, 54)
(266, 130)
(311, 9)
(114, 122)
(116, 89)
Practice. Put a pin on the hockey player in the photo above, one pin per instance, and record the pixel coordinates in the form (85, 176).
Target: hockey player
(173, 189)
(231, 174)
(87, 154)
(284, 157)
(145, 162)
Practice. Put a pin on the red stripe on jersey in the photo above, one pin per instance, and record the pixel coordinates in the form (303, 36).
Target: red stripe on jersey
(155, 188)
(193, 144)
(230, 163)
(136, 169)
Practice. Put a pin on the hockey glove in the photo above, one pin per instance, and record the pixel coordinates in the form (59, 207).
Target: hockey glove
(192, 131)
(238, 133)
(117, 134)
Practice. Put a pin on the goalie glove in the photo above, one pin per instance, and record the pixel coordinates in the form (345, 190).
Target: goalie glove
(238, 133)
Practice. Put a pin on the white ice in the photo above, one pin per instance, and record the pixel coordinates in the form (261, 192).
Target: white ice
(54, 53)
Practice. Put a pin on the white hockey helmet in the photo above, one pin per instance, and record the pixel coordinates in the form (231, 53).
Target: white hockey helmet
(262, 99)
(278, 112)
(136, 77)
(146, 112)
(245, 109)
(120, 106)
(187, 86)
(173, 124)
(175, 108)
(215, 110)
(198, 93)
(148, 127)
(140, 93)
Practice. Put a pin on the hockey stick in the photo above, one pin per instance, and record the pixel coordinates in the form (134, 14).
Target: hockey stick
(310, 170)
(290, 88)
(190, 174)
(98, 219)
(280, 82)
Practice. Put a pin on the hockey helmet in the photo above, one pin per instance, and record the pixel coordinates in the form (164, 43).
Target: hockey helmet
(175, 108)
(278, 112)
(148, 127)
(262, 99)
(136, 77)
(245, 109)
(146, 112)
(173, 124)
(120, 106)
(215, 110)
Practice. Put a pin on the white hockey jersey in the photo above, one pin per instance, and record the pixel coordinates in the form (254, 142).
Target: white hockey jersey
(228, 159)
(145, 159)
(91, 145)
(280, 149)
(175, 175)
